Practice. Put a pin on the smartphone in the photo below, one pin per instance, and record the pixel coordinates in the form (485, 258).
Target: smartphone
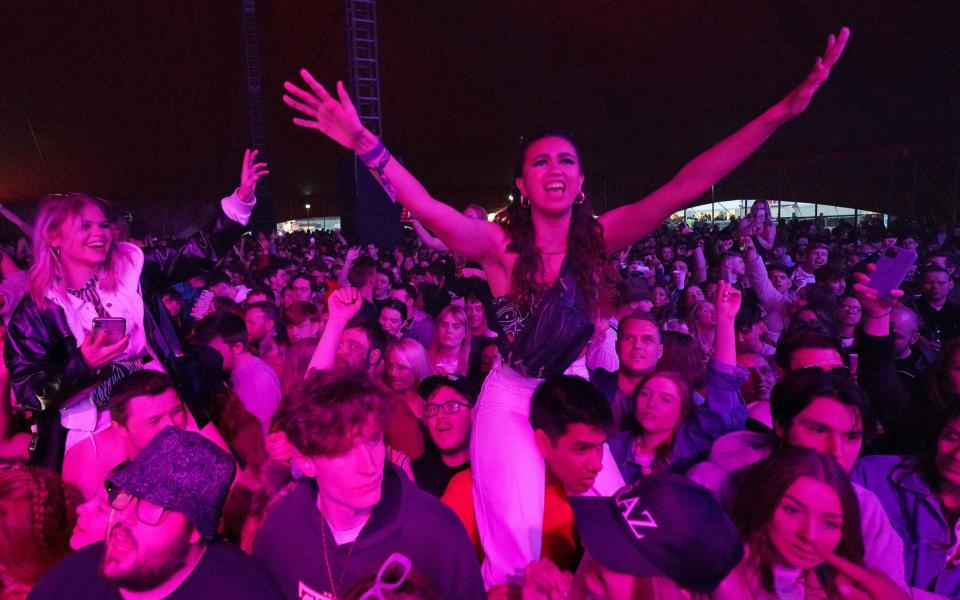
(892, 268)
(114, 327)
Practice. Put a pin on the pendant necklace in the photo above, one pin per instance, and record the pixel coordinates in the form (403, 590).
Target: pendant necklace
(326, 561)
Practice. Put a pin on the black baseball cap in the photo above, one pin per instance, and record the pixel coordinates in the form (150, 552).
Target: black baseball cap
(661, 525)
(458, 383)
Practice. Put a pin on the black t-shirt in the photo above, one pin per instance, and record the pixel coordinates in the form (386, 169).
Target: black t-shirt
(432, 474)
(223, 572)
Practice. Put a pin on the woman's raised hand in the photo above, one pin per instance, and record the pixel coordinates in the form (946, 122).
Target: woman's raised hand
(334, 117)
(799, 99)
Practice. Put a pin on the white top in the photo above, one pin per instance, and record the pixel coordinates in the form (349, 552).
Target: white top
(79, 414)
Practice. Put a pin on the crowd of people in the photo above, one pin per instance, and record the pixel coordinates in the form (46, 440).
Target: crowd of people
(549, 405)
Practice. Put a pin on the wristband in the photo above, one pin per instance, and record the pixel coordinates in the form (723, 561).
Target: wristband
(376, 160)
(369, 158)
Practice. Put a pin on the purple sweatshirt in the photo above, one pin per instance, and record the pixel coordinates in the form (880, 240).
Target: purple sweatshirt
(406, 520)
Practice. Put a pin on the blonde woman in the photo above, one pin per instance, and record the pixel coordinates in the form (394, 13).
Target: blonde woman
(62, 367)
(450, 351)
(407, 364)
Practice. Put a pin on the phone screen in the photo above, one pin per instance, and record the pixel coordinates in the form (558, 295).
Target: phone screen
(114, 328)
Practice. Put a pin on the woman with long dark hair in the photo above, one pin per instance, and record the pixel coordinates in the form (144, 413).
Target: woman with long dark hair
(544, 260)
(793, 509)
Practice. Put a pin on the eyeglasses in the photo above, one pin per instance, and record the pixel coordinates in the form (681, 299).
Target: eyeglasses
(852, 309)
(449, 408)
(147, 512)
(391, 575)
(839, 370)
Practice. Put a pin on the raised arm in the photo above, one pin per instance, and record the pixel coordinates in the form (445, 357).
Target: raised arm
(728, 304)
(427, 238)
(699, 274)
(628, 224)
(353, 253)
(343, 305)
(770, 298)
(166, 265)
(337, 119)
(16, 220)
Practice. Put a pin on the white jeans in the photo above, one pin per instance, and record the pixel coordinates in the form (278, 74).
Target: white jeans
(509, 477)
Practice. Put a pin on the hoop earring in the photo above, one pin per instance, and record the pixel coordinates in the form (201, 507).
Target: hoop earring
(581, 198)
(524, 202)
(56, 251)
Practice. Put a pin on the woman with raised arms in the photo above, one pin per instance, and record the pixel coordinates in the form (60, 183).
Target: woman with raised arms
(544, 257)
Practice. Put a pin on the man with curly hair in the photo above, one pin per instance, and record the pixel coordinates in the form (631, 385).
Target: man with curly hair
(352, 508)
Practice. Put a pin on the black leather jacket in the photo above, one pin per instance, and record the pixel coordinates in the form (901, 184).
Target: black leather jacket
(44, 359)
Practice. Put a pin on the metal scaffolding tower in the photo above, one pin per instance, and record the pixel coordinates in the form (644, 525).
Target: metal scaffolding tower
(263, 213)
(364, 61)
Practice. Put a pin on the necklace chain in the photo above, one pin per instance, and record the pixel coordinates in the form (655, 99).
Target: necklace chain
(326, 560)
(554, 253)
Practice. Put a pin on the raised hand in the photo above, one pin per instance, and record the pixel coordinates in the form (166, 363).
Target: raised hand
(344, 304)
(873, 304)
(250, 174)
(799, 99)
(334, 117)
(727, 301)
(353, 253)
(749, 249)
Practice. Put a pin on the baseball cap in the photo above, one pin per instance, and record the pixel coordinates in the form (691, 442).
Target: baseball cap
(661, 525)
(458, 383)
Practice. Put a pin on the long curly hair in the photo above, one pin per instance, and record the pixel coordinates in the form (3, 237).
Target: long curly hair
(585, 251)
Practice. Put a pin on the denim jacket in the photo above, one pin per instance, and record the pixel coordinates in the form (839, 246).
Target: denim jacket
(722, 412)
(915, 513)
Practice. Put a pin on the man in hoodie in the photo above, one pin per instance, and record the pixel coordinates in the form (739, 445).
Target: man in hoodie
(818, 408)
(352, 509)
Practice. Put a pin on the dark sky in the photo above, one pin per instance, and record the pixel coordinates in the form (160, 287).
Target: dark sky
(144, 103)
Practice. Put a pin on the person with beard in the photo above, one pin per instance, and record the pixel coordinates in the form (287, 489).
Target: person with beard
(161, 536)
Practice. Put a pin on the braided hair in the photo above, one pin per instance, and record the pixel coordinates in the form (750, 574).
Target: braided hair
(36, 520)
